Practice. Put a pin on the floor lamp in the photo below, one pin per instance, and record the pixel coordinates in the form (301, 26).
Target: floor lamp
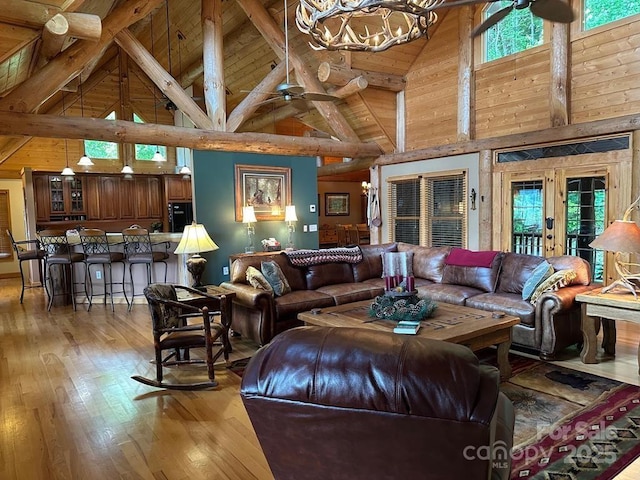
(196, 240)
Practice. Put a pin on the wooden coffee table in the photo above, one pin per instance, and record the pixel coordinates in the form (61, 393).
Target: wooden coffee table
(471, 327)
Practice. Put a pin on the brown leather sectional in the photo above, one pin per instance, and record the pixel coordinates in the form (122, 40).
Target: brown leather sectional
(547, 327)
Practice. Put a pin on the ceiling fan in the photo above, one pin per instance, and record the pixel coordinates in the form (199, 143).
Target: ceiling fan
(553, 10)
(291, 92)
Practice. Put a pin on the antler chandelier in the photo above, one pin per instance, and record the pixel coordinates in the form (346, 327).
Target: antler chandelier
(364, 25)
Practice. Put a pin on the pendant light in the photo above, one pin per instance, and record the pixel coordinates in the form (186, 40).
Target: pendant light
(84, 161)
(67, 172)
(157, 157)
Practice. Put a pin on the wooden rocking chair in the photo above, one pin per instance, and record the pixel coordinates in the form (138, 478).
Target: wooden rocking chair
(172, 332)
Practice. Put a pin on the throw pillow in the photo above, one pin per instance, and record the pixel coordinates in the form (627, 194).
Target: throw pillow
(256, 279)
(538, 275)
(275, 277)
(558, 280)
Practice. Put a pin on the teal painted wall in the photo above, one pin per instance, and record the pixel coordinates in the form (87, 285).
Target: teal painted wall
(214, 203)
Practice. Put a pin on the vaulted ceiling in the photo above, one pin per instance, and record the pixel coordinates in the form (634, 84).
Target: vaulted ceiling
(37, 56)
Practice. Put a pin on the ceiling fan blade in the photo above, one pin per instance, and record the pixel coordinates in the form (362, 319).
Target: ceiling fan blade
(317, 97)
(269, 100)
(460, 3)
(299, 104)
(491, 21)
(289, 89)
(553, 10)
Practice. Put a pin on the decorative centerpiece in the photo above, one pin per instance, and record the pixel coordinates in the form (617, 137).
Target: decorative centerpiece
(413, 308)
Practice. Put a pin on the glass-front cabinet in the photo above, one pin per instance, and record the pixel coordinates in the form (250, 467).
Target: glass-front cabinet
(59, 198)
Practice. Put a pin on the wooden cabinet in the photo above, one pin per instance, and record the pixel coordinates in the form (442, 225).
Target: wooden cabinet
(110, 191)
(92, 197)
(59, 198)
(42, 198)
(148, 197)
(178, 188)
(127, 198)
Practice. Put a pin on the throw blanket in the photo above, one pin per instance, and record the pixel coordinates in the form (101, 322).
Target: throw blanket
(306, 258)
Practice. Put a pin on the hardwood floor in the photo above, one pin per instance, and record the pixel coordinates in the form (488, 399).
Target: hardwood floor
(69, 409)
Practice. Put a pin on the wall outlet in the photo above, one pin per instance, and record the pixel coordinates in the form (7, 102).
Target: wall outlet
(225, 270)
(98, 274)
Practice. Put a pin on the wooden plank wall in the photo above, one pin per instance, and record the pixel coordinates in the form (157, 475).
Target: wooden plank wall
(606, 72)
(512, 94)
(432, 89)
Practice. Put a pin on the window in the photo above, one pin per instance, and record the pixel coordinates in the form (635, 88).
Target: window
(5, 242)
(429, 210)
(518, 31)
(599, 12)
(146, 152)
(97, 149)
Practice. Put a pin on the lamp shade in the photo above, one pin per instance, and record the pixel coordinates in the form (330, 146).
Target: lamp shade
(67, 172)
(195, 239)
(85, 161)
(620, 236)
(127, 170)
(249, 215)
(290, 214)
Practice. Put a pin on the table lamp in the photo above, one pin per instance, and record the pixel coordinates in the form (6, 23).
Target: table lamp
(249, 217)
(290, 217)
(622, 236)
(196, 240)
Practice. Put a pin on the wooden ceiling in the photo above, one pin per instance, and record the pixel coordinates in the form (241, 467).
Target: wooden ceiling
(176, 42)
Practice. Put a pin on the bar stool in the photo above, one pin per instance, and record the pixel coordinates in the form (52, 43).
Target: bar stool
(58, 252)
(97, 251)
(138, 250)
(27, 250)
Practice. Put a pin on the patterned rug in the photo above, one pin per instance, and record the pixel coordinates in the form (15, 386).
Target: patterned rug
(569, 425)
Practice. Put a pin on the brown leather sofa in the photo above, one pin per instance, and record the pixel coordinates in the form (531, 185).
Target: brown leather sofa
(547, 327)
(348, 403)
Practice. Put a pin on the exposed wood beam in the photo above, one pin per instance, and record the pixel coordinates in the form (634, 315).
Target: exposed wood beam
(63, 27)
(127, 150)
(466, 79)
(341, 75)
(608, 126)
(26, 14)
(276, 40)
(53, 126)
(560, 70)
(34, 91)
(213, 63)
(354, 85)
(345, 167)
(163, 80)
(259, 94)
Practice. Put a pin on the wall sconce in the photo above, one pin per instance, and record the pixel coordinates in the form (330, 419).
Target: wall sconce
(249, 217)
(473, 198)
(290, 217)
(366, 186)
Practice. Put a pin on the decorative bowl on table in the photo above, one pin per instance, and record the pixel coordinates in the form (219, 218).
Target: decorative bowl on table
(401, 307)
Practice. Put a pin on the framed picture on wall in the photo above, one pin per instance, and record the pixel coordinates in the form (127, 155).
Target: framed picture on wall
(336, 204)
(268, 189)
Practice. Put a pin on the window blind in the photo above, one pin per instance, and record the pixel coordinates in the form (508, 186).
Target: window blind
(6, 249)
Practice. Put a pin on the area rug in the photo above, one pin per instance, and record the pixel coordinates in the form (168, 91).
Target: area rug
(569, 425)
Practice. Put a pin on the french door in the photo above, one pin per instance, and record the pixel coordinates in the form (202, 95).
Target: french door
(556, 211)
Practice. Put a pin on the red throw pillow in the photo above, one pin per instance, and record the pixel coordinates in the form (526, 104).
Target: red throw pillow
(468, 258)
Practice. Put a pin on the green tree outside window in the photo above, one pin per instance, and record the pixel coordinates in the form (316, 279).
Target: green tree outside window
(599, 12)
(99, 150)
(146, 152)
(518, 31)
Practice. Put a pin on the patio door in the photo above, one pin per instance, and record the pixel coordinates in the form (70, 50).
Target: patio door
(557, 211)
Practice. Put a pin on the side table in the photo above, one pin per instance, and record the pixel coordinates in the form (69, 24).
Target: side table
(215, 305)
(610, 307)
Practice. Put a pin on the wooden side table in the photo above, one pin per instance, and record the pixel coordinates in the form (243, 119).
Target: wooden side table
(610, 307)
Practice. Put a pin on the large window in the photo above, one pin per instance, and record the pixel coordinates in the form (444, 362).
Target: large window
(599, 12)
(518, 31)
(146, 152)
(99, 150)
(429, 210)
